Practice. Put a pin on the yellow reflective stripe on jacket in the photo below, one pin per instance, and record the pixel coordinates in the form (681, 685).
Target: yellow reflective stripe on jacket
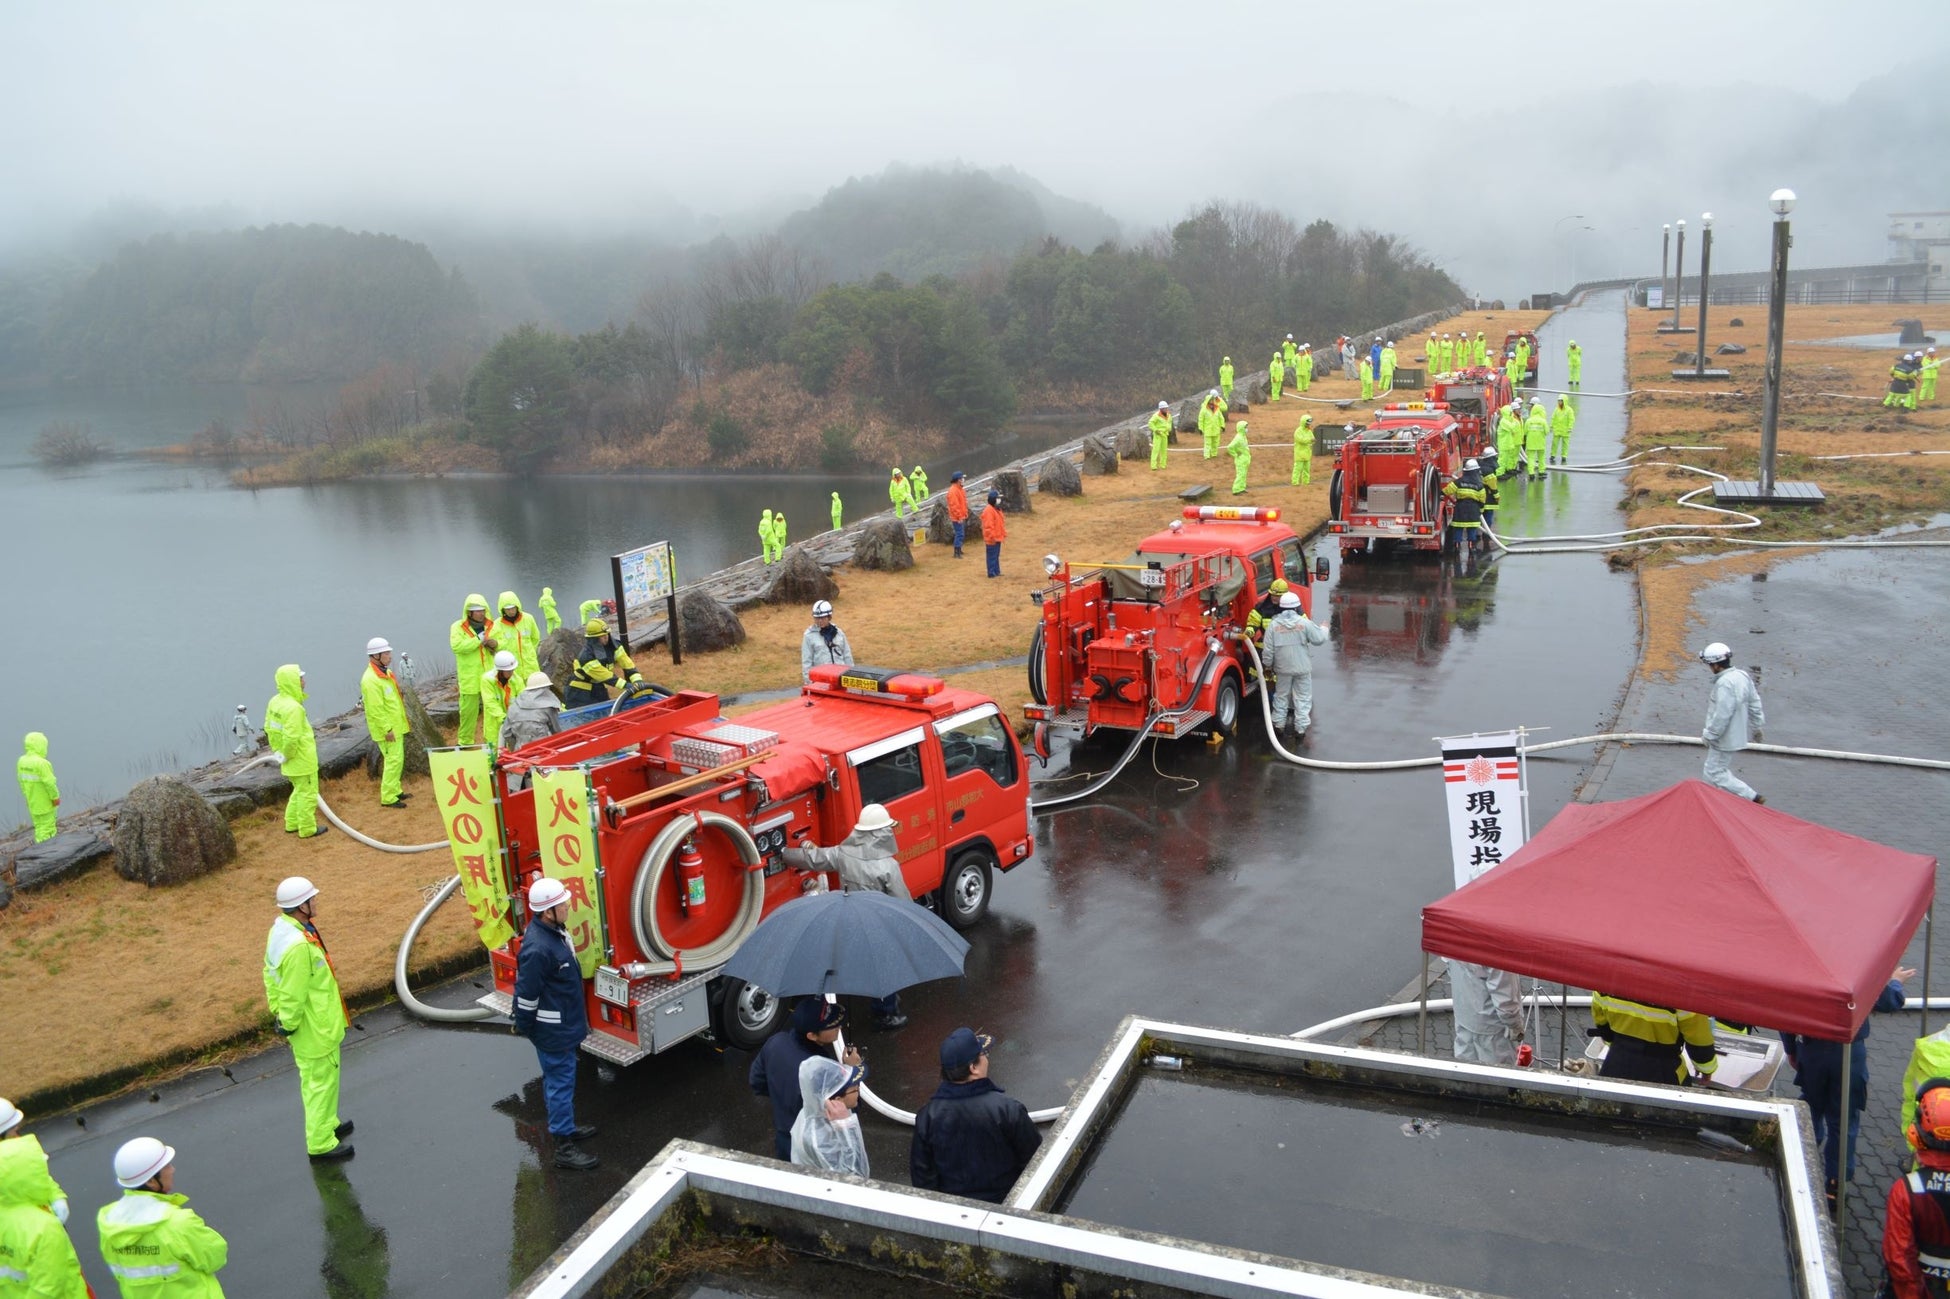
(1658, 1025)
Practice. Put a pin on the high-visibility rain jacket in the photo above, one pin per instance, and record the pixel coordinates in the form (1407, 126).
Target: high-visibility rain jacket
(302, 988)
(471, 655)
(837, 510)
(1303, 438)
(1304, 367)
(1509, 438)
(287, 728)
(1480, 349)
(1211, 419)
(37, 1260)
(36, 775)
(379, 693)
(520, 637)
(1431, 350)
(158, 1248)
(496, 696)
(1563, 419)
(1388, 360)
(1276, 369)
(765, 530)
(1288, 352)
(898, 490)
(1929, 1058)
(551, 617)
(1225, 376)
(1160, 425)
(24, 1175)
(1239, 449)
(1536, 429)
(917, 482)
(1616, 1017)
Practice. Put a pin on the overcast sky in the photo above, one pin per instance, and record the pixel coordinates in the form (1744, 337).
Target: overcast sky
(599, 111)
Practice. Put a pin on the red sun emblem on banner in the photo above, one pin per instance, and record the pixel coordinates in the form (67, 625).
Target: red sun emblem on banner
(1481, 771)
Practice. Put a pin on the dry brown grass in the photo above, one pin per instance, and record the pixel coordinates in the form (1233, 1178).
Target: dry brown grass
(1672, 628)
(102, 974)
(1864, 495)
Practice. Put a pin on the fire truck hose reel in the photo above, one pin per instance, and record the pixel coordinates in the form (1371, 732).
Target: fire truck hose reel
(650, 871)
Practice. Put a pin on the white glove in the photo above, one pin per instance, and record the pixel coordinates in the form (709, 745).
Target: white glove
(60, 1210)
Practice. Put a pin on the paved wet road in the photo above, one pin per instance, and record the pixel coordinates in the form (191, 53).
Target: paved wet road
(1224, 888)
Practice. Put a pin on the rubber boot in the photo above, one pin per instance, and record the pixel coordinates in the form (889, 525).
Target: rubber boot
(569, 1155)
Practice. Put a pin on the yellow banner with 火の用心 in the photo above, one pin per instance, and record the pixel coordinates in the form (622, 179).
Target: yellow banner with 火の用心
(568, 846)
(463, 782)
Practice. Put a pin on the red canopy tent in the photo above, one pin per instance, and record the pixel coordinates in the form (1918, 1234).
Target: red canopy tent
(1696, 899)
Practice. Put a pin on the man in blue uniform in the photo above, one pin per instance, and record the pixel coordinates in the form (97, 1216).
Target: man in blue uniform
(549, 1012)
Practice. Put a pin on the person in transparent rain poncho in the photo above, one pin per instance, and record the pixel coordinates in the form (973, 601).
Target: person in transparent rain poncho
(826, 1135)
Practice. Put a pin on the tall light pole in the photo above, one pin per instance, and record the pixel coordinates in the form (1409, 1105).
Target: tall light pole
(1699, 370)
(1559, 223)
(1782, 201)
(1678, 283)
(1665, 256)
(1765, 490)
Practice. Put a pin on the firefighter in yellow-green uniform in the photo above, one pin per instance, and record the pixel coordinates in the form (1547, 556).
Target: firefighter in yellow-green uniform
(37, 785)
(838, 514)
(901, 494)
(385, 719)
(918, 480)
(308, 1011)
(1288, 352)
(36, 1257)
(1367, 378)
(1242, 457)
(551, 617)
(1388, 362)
(1160, 427)
(1225, 379)
(472, 641)
(154, 1243)
(1303, 451)
(1479, 349)
(520, 636)
(1645, 1041)
(498, 691)
(1276, 376)
(289, 732)
(1303, 368)
(1431, 350)
(1446, 354)
(1563, 420)
(1573, 365)
(1211, 422)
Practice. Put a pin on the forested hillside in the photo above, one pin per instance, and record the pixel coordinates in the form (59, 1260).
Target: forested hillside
(265, 304)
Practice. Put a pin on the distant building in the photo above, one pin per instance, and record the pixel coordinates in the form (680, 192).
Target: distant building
(1923, 237)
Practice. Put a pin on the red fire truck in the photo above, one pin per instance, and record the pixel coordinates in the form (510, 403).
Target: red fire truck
(1510, 350)
(691, 813)
(1474, 396)
(1387, 485)
(1152, 644)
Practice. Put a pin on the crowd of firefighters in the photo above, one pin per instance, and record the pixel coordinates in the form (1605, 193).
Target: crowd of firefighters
(1912, 379)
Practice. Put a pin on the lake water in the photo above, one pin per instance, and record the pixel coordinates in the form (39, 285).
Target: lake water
(149, 599)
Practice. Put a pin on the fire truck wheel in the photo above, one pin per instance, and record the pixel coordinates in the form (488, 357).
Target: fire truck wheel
(1334, 496)
(964, 896)
(747, 1014)
(1225, 706)
(1036, 665)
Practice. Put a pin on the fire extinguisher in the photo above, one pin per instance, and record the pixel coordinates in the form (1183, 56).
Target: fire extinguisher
(690, 876)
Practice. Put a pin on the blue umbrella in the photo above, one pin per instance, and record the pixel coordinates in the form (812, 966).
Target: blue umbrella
(848, 944)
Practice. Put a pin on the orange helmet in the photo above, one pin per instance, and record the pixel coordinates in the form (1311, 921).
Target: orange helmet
(1931, 1130)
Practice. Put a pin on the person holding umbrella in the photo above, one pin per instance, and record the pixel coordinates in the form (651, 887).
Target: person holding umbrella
(865, 861)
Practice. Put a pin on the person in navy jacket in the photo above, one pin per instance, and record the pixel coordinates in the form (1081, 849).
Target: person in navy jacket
(549, 1011)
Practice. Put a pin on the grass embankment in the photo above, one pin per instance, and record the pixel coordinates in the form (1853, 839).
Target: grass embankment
(1864, 496)
(109, 981)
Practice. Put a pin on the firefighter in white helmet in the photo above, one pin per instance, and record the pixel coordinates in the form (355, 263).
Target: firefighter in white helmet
(154, 1243)
(823, 642)
(308, 1011)
(866, 861)
(385, 719)
(550, 1013)
(35, 1253)
(1287, 639)
(1733, 720)
(499, 686)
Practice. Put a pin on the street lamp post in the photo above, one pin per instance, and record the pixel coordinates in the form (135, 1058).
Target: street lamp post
(1782, 201)
(1665, 256)
(1678, 283)
(1559, 224)
(1705, 264)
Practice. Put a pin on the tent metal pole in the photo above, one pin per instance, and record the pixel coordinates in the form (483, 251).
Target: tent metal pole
(1929, 936)
(1422, 1010)
(1563, 1013)
(1843, 1147)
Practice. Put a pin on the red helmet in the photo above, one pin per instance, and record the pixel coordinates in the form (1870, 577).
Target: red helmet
(1931, 1130)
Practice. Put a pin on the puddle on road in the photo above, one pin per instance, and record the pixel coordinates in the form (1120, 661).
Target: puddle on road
(1478, 1196)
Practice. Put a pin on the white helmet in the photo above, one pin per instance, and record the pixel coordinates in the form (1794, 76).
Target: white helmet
(10, 1115)
(545, 893)
(1164, 405)
(505, 662)
(822, 608)
(1471, 463)
(295, 892)
(1289, 338)
(1290, 601)
(141, 1159)
(1717, 652)
(874, 817)
(377, 645)
(540, 679)
(1213, 393)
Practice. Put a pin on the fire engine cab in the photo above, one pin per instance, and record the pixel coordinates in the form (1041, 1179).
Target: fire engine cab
(1387, 485)
(1153, 644)
(1510, 349)
(1473, 396)
(691, 813)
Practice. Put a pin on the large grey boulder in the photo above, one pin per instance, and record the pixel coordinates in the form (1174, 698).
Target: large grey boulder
(1133, 443)
(66, 855)
(167, 834)
(557, 654)
(706, 623)
(884, 547)
(940, 529)
(1099, 455)
(1060, 477)
(799, 579)
(1013, 486)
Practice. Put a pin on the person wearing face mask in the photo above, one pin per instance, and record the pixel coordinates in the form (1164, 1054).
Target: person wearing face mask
(826, 1135)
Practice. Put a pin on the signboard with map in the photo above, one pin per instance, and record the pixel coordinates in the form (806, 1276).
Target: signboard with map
(646, 585)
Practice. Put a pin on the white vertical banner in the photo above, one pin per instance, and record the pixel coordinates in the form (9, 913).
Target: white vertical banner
(1482, 777)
